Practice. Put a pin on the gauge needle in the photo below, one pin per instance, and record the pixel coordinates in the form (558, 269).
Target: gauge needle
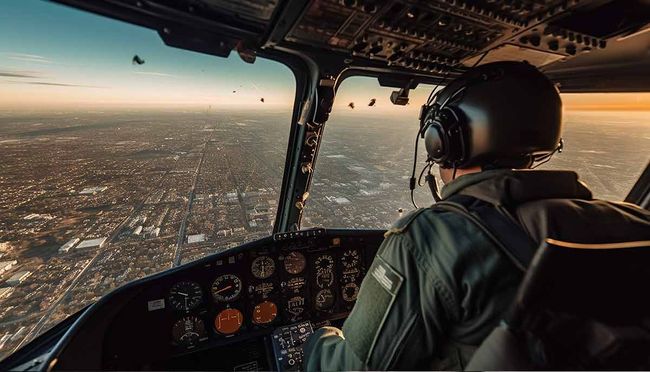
(223, 289)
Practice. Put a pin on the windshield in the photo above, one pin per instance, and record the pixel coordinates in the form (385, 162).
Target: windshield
(363, 169)
(122, 157)
(366, 158)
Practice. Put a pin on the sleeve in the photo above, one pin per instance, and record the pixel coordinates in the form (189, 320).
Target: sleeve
(398, 321)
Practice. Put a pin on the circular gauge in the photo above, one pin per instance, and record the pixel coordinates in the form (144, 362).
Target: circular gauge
(263, 289)
(188, 331)
(295, 284)
(185, 296)
(294, 262)
(264, 312)
(324, 271)
(350, 259)
(350, 292)
(226, 288)
(228, 321)
(324, 263)
(324, 299)
(296, 306)
(263, 267)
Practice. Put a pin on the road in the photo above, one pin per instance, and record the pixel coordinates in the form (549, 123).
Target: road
(181, 231)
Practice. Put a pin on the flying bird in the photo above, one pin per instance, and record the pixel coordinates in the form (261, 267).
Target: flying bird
(137, 60)
(351, 105)
(262, 99)
(372, 102)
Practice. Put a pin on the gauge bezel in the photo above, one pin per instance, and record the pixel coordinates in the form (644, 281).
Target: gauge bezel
(265, 303)
(225, 299)
(350, 285)
(241, 323)
(295, 257)
(351, 255)
(198, 293)
(331, 295)
(201, 332)
(255, 263)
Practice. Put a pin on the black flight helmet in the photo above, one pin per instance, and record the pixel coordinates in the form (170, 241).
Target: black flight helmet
(498, 115)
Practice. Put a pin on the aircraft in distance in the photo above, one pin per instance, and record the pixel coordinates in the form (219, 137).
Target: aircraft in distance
(212, 207)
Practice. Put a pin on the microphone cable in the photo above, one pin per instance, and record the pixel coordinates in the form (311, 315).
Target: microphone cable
(413, 180)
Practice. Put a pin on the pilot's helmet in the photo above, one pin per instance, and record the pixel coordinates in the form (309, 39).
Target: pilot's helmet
(498, 115)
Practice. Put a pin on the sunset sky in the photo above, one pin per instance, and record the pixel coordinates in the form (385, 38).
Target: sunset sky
(52, 56)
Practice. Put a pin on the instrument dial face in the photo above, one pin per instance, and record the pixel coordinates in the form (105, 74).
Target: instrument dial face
(350, 292)
(185, 296)
(295, 285)
(228, 321)
(226, 288)
(263, 267)
(263, 289)
(188, 331)
(295, 262)
(324, 271)
(350, 259)
(324, 299)
(265, 312)
(296, 306)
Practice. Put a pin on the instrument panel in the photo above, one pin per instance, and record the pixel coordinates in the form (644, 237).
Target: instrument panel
(311, 275)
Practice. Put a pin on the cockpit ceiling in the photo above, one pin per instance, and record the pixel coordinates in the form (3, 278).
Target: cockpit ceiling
(259, 11)
(441, 36)
(437, 38)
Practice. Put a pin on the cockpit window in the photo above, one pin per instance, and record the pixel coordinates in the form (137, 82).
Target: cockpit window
(366, 158)
(122, 157)
(606, 141)
(365, 161)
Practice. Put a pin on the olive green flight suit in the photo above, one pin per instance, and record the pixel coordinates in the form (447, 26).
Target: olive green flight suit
(439, 285)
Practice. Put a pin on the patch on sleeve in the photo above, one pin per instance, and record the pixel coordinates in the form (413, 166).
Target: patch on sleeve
(378, 292)
(387, 277)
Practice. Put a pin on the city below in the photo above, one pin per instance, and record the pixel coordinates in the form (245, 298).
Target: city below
(93, 200)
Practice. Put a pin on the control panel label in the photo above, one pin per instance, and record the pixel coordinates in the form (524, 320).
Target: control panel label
(156, 304)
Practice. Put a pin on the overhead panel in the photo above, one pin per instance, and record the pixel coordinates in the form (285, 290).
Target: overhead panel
(252, 10)
(441, 36)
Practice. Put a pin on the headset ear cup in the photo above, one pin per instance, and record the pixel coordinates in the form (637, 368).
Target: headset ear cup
(445, 138)
(455, 136)
(434, 142)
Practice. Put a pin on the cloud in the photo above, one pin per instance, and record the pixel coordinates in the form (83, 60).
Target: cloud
(28, 57)
(60, 84)
(47, 83)
(18, 74)
(153, 73)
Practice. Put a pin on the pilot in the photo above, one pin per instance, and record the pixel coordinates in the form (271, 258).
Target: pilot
(439, 284)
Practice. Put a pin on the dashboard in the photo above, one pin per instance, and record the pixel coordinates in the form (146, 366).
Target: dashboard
(242, 309)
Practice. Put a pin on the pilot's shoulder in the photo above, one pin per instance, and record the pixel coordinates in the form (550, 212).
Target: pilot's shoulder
(418, 216)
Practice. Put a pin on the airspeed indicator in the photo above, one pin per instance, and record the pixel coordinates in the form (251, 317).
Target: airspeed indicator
(226, 288)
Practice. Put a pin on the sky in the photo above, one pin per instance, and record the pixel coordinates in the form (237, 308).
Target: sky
(53, 57)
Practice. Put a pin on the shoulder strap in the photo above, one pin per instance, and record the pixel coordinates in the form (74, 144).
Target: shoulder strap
(493, 220)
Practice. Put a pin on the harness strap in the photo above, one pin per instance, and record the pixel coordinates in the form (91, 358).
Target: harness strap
(497, 223)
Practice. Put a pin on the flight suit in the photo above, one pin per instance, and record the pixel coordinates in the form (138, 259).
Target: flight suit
(439, 285)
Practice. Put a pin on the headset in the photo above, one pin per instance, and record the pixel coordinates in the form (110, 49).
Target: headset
(476, 124)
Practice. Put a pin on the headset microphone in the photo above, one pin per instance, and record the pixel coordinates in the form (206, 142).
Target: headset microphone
(412, 181)
(433, 186)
